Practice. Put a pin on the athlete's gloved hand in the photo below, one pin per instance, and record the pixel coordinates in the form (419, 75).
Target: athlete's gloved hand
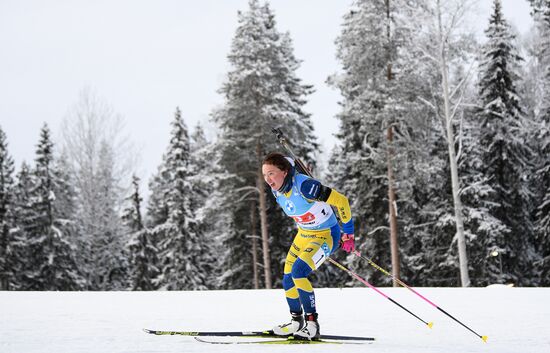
(347, 242)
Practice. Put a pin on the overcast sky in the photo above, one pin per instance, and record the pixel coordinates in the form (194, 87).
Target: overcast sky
(144, 58)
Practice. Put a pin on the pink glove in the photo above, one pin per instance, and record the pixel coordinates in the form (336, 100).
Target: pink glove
(347, 242)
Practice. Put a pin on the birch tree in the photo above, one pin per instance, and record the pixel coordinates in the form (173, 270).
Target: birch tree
(100, 158)
(442, 37)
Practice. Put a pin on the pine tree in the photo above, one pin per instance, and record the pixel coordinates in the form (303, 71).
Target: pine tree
(143, 251)
(506, 158)
(7, 260)
(262, 91)
(374, 126)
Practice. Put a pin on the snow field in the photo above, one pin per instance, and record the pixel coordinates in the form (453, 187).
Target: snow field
(515, 319)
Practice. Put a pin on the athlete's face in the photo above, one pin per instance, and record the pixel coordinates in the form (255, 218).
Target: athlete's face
(273, 176)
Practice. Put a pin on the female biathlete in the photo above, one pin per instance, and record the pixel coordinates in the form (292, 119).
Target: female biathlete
(309, 203)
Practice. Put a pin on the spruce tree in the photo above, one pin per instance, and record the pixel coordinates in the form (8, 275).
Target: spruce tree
(22, 216)
(506, 157)
(541, 77)
(205, 180)
(7, 242)
(181, 244)
(143, 269)
(157, 208)
(480, 223)
(51, 265)
(65, 195)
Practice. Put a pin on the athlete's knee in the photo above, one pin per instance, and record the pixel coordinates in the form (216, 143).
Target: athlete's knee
(300, 269)
(288, 282)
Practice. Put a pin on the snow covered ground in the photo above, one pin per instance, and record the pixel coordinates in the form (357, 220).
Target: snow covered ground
(515, 319)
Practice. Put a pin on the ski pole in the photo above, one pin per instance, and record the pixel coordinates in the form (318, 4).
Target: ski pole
(373, 264)
(283, 141)
(365, 282)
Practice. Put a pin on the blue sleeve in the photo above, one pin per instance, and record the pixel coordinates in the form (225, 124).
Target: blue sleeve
(348, 227)
(311, 189)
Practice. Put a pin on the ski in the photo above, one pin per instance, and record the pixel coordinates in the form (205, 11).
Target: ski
(255, 334)
(249, 334)
(289, 340)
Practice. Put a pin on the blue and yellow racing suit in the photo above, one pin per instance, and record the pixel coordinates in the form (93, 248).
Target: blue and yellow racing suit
(309, 203)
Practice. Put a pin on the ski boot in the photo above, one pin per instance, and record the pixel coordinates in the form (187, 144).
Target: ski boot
(311, 330)
(295, 324)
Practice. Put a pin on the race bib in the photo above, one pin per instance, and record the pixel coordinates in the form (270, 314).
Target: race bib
(321, 255)
(316, 215)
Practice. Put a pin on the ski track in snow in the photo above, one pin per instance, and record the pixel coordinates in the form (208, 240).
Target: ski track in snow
(515, 319)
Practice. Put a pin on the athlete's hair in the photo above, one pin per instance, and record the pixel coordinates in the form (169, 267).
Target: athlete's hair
(278, 160)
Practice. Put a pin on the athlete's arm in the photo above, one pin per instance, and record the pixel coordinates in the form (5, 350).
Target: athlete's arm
(313, 190)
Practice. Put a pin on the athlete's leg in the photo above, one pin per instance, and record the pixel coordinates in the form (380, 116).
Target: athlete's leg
(291, 292)
(314, 253)
(292, 297)
(317, 250)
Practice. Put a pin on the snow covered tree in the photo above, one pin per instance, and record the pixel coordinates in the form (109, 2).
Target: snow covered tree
(262, 91)
(205, 179)
(539, 80)
(7, 260)
(110, 245)
(22, 214)
(506, 157)
(476, 193)
(144, 260)
(361, 49)
(51, 264)
(412, 101)
(443, 43)
(100, 159)
(380, 121)
(132, 213)
(181, 244)
(157, 209)
(65, 195)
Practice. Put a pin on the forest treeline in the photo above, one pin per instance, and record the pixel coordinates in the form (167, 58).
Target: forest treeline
(443, 151)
